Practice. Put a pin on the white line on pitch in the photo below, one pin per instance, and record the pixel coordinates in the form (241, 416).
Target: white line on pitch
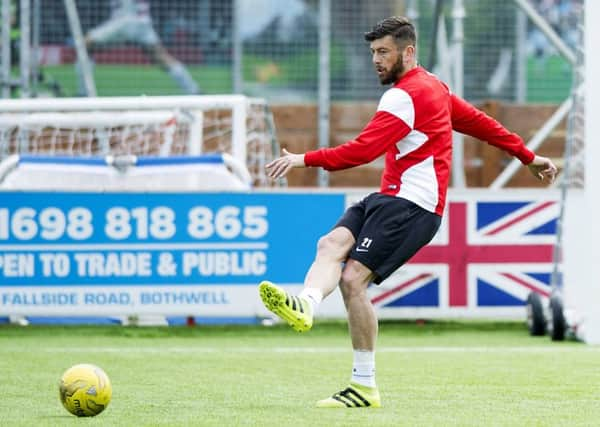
(192, 350)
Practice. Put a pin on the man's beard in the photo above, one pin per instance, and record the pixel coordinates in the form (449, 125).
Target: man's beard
(391, 77)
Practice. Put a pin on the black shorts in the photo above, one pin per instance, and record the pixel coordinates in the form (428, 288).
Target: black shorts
(388, 232)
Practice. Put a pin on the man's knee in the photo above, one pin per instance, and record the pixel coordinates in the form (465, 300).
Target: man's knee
(355, 279)
(335, 244)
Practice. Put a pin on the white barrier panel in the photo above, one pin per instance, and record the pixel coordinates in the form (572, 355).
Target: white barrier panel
(202, 254)
(592, 132)
(154, 253)
(578, 253)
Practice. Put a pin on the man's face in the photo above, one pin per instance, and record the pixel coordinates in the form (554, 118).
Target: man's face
(387, 59)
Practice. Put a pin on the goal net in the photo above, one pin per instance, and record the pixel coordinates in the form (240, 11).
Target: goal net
(142, 126)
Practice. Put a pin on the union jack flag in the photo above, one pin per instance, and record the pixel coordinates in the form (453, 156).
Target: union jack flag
(486, 258)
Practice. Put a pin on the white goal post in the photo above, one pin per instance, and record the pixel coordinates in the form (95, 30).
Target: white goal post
(581, 231)
(143, 125)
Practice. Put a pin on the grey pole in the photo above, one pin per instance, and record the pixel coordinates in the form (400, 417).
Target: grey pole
(412, 13)
(458, 14)
(521, 55)
(238, 45)
(25, 47)
(82, 55)
(324, 88)
(35, 46)
(6, 48)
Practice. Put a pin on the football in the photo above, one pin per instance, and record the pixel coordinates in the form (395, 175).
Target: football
(85, 390)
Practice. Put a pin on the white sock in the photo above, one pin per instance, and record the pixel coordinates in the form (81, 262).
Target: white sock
(183, 78)
(314, 297)
(363, 368)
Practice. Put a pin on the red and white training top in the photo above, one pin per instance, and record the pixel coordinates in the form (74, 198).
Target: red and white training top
(413, 126)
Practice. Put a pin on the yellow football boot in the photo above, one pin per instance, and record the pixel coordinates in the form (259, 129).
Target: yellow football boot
(294, 310)
(353, 396)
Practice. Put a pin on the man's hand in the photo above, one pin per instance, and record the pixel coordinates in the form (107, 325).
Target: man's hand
(279, 167)
(542, 167)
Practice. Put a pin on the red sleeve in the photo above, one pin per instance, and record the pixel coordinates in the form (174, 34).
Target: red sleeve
(469, 120)
(382, 132)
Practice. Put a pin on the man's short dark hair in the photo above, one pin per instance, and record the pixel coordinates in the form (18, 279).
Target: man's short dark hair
(398, 27)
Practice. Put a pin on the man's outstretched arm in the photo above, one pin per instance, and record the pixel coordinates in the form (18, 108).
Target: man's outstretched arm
(382, 132)
(469, 120)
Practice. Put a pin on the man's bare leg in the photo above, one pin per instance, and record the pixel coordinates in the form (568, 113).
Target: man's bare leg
(362, 322)
(324, 274)
(321, 279)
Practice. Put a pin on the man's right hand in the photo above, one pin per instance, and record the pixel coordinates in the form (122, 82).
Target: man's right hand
(279, 167)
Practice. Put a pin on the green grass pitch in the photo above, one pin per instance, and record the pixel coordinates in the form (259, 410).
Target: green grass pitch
(548, 81)
(439, 374)
(131, 80)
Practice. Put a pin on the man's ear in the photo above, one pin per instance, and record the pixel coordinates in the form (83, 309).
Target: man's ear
(409, 52)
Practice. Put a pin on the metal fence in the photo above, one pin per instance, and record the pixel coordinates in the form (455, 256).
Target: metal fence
(270, 48)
